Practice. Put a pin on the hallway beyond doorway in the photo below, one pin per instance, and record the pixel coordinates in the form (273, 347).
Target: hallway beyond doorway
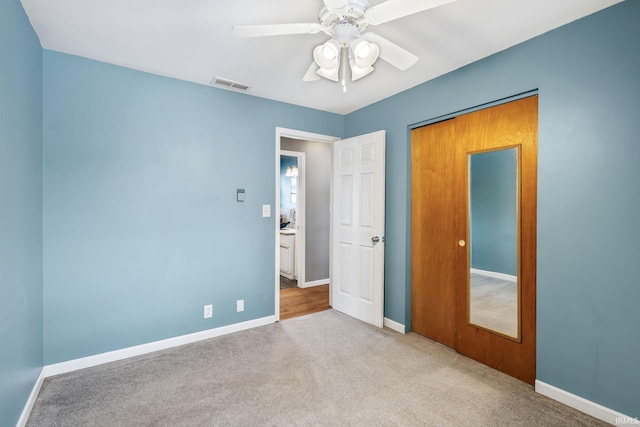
(295, 302)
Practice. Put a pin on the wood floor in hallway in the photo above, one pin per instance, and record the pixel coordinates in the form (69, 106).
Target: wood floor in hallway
(296, 302)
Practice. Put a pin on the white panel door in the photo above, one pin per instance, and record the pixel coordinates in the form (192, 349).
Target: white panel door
(357, 243)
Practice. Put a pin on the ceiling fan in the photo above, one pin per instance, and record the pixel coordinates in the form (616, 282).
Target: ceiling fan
(346, 22)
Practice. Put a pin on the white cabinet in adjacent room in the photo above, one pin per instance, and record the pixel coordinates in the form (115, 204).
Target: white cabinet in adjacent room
(288, 253)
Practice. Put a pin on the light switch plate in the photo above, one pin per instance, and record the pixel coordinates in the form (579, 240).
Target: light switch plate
(266, 211)
(240, 194)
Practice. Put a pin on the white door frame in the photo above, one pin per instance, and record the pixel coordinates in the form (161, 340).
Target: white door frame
(293, 134)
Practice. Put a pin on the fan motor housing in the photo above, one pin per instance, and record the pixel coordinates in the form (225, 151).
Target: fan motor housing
(352, 17)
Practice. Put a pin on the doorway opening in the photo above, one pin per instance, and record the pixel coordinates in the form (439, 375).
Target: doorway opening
(292, 218)
(302, 222)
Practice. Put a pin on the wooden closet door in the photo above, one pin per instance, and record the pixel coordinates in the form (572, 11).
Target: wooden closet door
(433, 197)
(440, 221)
(514, 124)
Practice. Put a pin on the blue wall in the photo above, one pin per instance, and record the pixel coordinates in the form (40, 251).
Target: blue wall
(588, 193)
(20, 210)
(493, 196)
(141, 223)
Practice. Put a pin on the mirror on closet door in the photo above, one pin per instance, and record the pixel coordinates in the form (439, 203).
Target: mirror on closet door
(494, 287)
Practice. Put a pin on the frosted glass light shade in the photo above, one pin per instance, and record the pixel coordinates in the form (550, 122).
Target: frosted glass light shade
(364, 53)
(327, 55)
(359, 72)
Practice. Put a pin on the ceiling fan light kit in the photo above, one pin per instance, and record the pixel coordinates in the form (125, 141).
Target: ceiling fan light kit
(329, 73)
(364, 53)
(327, 55)
(346, 21)
(358, 72)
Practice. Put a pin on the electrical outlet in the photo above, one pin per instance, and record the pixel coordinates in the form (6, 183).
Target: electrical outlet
(266, 211)
(208, 311)
(240, 305)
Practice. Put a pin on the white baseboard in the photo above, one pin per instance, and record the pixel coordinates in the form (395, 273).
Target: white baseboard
(393, 325)
(112, 356)
(314, 283)
(26, 411)
(583, 405)
(495, 274)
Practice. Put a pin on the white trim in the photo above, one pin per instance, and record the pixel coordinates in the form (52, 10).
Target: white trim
(26, 411)
(305, 136)
(112, 356)
(495, 274)
(394, 326)
(314, 283)
(583, 405)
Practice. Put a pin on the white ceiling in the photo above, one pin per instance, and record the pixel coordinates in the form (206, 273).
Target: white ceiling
(192, 40)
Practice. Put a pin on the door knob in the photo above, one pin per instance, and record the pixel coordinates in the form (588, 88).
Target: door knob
(375, 239)
(461, 242)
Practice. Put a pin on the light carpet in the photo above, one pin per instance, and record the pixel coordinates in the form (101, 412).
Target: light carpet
(324, 369)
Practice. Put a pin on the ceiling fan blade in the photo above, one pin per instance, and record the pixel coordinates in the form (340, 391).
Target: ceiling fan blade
(336, 5)
(275, 29)
(311, 75)
(391, 52)
(394, 9)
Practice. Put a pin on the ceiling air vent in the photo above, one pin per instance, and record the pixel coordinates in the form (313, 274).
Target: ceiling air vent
(229, 84)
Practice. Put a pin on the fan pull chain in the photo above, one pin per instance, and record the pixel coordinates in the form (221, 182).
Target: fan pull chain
(345, 61)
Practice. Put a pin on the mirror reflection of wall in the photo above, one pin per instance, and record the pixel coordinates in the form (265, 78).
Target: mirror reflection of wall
(493, 222)
(288, 191)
